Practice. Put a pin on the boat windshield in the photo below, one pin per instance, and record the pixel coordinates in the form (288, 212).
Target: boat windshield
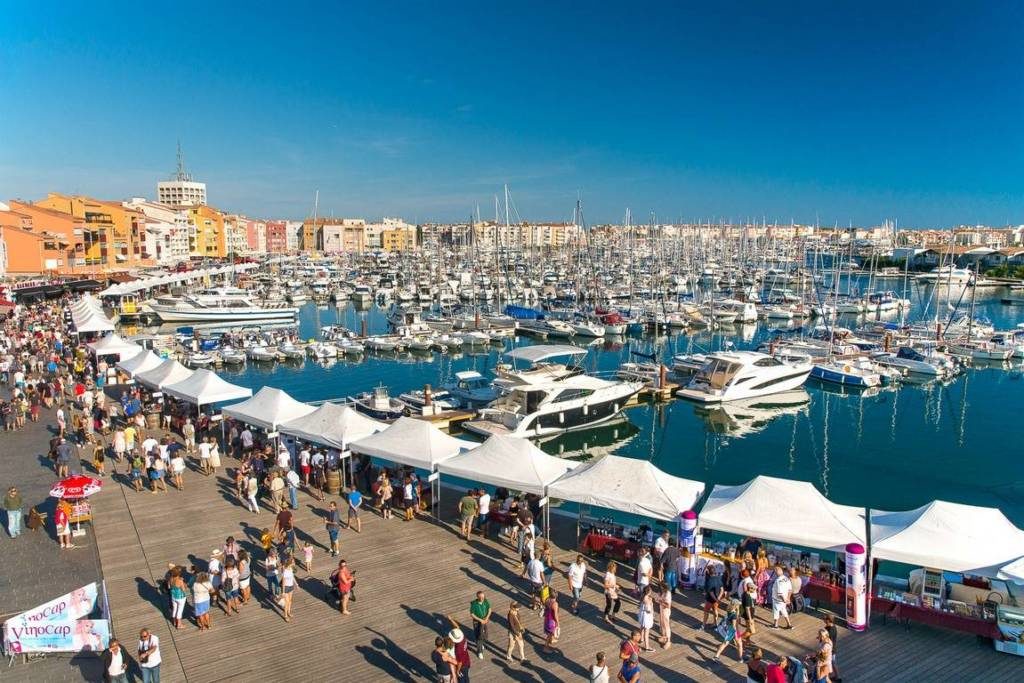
(719, 372)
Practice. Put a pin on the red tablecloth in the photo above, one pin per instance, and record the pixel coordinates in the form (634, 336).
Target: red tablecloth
(819, 591)
(499, 518)
(931, 617)
(610, 546)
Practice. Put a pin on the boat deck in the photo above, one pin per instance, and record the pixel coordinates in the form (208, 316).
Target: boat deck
(412, 574)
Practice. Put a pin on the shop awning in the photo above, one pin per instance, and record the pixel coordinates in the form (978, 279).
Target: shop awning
(139, 363)
(412, 442)
(508, 461)
(333, 425)
(783, 510)
(949, 536)
(113, 345)
(628, 485)
(268, 409)
(168, 372)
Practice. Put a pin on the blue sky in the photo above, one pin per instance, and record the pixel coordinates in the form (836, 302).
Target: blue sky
(848, 112)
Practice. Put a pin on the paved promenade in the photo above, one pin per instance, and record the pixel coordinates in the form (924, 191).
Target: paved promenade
(409, 576)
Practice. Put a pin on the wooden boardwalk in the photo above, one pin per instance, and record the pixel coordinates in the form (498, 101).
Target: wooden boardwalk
(409, 576)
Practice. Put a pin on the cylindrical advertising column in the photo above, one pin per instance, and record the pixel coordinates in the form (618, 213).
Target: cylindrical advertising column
(856, 587)
(688, 540)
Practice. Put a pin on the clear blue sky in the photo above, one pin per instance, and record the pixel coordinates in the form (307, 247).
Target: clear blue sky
(793, 110)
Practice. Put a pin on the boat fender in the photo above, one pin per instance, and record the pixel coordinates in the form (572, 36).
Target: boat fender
(846, 368)
(561, 418)
(586, 410)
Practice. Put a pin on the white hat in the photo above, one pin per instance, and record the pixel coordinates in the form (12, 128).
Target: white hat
(456, 635)
(216, 551)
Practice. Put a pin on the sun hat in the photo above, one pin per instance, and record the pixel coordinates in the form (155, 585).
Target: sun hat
(456, 635)
(216, 551)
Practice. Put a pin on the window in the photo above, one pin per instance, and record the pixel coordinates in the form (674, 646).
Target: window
(767, 362)
(571, 394)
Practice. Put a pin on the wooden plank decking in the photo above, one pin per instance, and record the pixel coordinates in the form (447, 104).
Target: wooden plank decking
(409, 576)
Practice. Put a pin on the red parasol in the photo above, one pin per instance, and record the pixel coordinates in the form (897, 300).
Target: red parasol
(76, 486)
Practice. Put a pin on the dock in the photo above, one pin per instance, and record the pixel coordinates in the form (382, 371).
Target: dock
(409, 575)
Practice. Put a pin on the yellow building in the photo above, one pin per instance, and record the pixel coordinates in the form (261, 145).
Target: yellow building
(398, 239)
(210, 237)
(113, 234)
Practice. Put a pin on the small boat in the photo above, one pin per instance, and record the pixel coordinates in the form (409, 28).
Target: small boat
(322, 350)
(475, 338)
(261, 353)
(232, 356)
(290, 350)
(927, 363)
(383, 344)
(350, 347)
(688, 363)
(417, 400)
(859, 372)
(471, 389)
(587, 329)
(378, 404)
(199, 359)
(421, 343)
(559, 328)
(447, 341)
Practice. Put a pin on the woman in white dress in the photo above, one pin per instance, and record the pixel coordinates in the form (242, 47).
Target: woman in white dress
(645, 617)
(665, 616)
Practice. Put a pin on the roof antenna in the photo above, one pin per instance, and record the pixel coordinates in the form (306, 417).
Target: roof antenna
(181, 174)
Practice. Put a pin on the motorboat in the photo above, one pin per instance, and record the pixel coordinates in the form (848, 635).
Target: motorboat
(232, 356)
(384, 344)
(362, 293)
(199, 359)
(350, 347)
(260, 353)
(290, 350)
(930, 363)
(474, 337)
(981, 349)
(647, 373)
(378, 404)
(471, 389)
(538, 368)
(733, 375)
(322, 350)
(559, 328)
(440, 399)
(688, 363)
(447, 342)
(745, 311)
(535, 410)
(857, 372)
(192, 308)
(586, 329)
(421, 343)
(949, 273)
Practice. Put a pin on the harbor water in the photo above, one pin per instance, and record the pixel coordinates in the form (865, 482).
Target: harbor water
(889, 448)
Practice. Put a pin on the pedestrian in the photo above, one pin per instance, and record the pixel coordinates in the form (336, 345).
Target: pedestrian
(149, 656)
(276, 486)
(821, 660)
(598, 670)
(612, 601)
(214, 455)
(552, 628)
(62, 523)
(386, 493)
(462, 657)
(137, 465)
(483, 503)
(244, 577)
(177, 470)
(833, 636)
(515, 633)
(201, 590)
(119, 447)
(272, 568)
(13, 504)
(115, 668)
(781, 592)
(748, 600)
(188, 431)
(670, 566)
(576, 574)
(229, 586)
(355, 501)
(293, 481)
(408, 499)
(630, 671)
(344, 580)
(215, 568)
(538, 582)
(64, 455)
(480, 613)
(333, 525)
(157, 469)
(287, 588)
(284, 529)
(664, 601)
(178, 590)
(756, 667)
(467, 512)
(99, 460)
(776, 672)
(729, 631)
(252, 487)
(205, 448)
(445, 665)
(645, 617)
(714, 592)
(630, 647)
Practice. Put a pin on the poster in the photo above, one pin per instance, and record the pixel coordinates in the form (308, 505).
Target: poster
(74, 605)
(90, 635)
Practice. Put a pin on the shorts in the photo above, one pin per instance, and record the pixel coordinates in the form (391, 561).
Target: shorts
(289, 589)
(709, 605)
(231, 594)
(305, 469)
(577, 593)
(333, 533)
(202, 608)
(779, 610)
(408, 504)
(353, 512)
(136, 474)
(155, 474)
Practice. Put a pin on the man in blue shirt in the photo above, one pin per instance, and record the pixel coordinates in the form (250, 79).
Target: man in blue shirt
(355, 499)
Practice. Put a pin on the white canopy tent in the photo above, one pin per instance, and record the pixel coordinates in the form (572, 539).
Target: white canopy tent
(140, 363)
(333, 425)
(87, 316)
(168, 372)
(508, 461)
(1013, 571)
(783, 510)
(950, 536)
(204, 387)
(113, 345)
(628, 485)
(268, 409)
(412, 442)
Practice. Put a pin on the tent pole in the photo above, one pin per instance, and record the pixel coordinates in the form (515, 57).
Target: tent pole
(867, 561)
(547, 515)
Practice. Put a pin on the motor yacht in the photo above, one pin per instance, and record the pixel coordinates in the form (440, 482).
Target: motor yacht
(538, 368)
(733, 375)
(471, 389)
(534, 410)
(929, 363)
(192, 308)
(378, 404)
(946, 274)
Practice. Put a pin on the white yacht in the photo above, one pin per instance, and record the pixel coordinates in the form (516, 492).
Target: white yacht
(471, 389)
(734, 375)
(538, 369)
(534, 410)
(195, 309)
(946, 274)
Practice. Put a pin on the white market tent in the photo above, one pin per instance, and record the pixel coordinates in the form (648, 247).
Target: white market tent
(412, 442)
(140, 363)
(113, 345)
(333, 425)
(268, 409)
(88, 316)
(783, 510)
(142, 284)
(168, 372)
(1013, 571)
(628, 485)
(508, 461)
(949, 536)
(204, 387)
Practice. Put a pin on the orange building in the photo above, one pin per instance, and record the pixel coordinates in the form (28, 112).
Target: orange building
(38, 240)
(113, 234)
(210, 238)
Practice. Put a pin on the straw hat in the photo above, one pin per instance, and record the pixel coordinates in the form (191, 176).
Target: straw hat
(216, 552)
(456, 635)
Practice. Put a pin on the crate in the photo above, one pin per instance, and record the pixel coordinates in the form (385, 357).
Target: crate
(1014, 648)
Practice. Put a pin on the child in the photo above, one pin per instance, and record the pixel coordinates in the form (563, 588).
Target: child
(266, 540)
(98, 460)
(307, 556)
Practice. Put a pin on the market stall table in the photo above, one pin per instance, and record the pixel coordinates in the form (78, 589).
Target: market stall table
(906, 613)
(821, 591)
(610, 546)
